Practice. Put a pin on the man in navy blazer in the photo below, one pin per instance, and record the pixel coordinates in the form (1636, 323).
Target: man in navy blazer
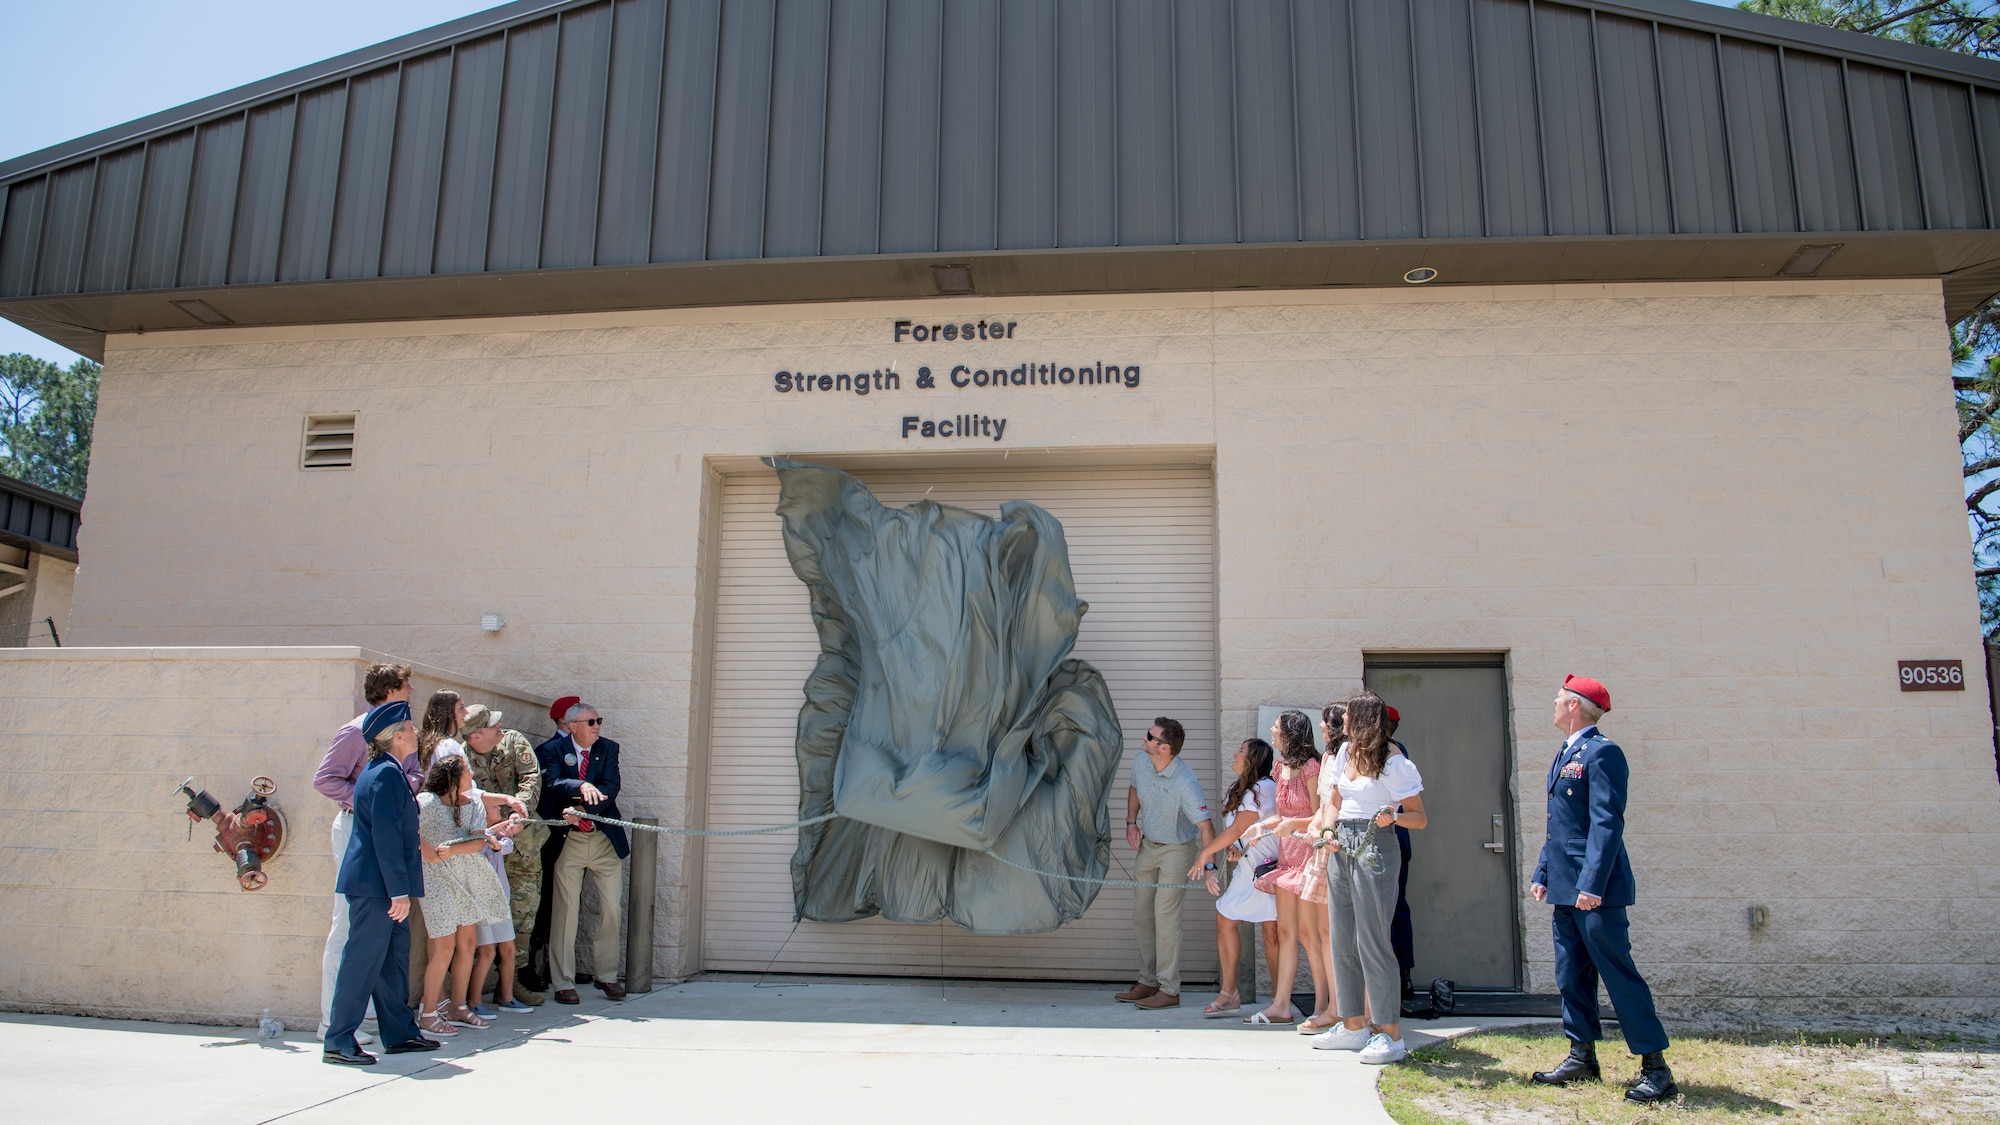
(381, 872)
(1585, 874)
(581, 771)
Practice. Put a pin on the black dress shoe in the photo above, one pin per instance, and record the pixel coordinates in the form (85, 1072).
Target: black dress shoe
(411, 1046)
(1579, 1065)
(353, 1057)
(1656, 1081)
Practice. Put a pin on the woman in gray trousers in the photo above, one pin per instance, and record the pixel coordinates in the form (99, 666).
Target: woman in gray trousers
(1370, 782)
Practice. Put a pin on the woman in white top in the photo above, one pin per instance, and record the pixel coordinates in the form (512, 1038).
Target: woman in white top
(1374, 789)
(444, 716)
(1252, 796)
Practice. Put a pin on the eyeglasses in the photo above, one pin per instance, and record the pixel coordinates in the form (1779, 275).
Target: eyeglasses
(590, 722)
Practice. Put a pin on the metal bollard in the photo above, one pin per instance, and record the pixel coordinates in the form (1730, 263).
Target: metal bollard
(639, 908)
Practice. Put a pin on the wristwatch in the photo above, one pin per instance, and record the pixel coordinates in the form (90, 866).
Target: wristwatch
(1210, 866)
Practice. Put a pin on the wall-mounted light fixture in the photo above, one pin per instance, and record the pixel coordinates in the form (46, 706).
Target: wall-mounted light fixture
(491, 622)
(1420, 275)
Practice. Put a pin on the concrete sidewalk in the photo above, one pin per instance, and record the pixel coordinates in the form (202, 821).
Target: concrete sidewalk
(715, 1050)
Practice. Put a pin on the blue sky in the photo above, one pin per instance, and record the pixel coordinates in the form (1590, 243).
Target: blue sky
(77, 66)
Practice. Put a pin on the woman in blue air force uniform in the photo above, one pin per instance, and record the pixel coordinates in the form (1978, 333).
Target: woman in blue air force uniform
(380, 873)
(1584, 873)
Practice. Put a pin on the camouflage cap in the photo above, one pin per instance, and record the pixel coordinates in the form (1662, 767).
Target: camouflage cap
(478, 717)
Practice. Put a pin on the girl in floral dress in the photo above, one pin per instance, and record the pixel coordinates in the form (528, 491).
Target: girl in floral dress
(461, 893)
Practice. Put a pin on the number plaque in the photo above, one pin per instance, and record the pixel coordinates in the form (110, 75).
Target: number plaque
(1931, 675)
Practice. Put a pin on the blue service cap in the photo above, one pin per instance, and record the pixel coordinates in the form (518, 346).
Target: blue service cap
(383, 717)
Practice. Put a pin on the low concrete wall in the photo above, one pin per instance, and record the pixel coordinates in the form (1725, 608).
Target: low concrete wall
(107, 907)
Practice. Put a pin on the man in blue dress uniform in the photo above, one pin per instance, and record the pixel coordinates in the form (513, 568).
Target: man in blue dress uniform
(1584, 873)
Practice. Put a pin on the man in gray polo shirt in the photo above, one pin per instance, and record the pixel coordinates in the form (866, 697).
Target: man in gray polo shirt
(1166, 821)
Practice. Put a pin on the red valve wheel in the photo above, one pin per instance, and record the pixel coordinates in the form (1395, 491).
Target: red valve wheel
(253, 880)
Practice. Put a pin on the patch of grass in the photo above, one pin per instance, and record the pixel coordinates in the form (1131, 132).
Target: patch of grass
(1738, 1077)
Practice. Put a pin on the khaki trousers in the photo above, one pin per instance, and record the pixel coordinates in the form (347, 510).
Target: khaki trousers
(1156, 913)
(585, 852)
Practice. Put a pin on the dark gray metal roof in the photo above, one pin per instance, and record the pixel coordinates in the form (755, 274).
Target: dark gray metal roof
(37, 519)
(631, 153)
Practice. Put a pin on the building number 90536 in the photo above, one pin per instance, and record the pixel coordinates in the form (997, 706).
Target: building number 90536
(1931, 675)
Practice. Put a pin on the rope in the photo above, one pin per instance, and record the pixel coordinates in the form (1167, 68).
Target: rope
(672, 830)
(675, 831)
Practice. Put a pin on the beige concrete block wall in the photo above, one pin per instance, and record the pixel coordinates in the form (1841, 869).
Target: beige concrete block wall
(1738, 512)
(54, 587)
(15, 607)
(106, 905)
(45, 595)
(1736, 503)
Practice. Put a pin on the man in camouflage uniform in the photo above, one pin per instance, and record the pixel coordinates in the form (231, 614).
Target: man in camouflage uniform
(503, 761)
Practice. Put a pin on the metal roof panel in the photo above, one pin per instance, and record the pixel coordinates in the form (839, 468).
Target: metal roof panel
(602, 134)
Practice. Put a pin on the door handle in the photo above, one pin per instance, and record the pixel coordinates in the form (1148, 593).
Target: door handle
(1499, 843)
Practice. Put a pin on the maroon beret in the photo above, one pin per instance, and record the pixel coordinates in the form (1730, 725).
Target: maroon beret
(557, 708)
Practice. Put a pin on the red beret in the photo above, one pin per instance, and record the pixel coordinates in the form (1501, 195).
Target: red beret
(1391, 714)
(1589, 689)
(557, 708)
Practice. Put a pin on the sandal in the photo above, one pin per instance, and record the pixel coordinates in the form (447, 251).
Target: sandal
(1216, 1009)
(1309, 1027)
(1261, 1018)
(430, 1023)
(461, 1015)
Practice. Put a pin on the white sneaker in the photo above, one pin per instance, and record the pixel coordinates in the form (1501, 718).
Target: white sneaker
(1382, 1049)
(1339, 1038)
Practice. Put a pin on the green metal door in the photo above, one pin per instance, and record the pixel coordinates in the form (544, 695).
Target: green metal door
(1461, 891)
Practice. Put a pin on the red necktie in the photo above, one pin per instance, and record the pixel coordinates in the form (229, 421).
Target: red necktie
(583, 771)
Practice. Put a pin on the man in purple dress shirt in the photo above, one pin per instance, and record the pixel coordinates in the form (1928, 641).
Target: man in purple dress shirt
(335, 779)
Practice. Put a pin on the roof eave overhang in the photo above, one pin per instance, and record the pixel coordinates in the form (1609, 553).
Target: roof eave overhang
(1967, 262)
(37, 520)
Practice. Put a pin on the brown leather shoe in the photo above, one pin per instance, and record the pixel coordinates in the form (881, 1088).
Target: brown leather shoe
(567, 996)
(612, 990)
(1157, 1001)
(1135, 994)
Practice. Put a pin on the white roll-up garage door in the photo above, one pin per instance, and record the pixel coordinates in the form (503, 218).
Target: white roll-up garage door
(1142, 545)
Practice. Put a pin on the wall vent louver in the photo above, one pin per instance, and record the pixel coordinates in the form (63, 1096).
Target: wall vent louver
(329, 442)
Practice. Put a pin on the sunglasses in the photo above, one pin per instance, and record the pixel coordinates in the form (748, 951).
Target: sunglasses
(590, 722)
(1151, 737)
